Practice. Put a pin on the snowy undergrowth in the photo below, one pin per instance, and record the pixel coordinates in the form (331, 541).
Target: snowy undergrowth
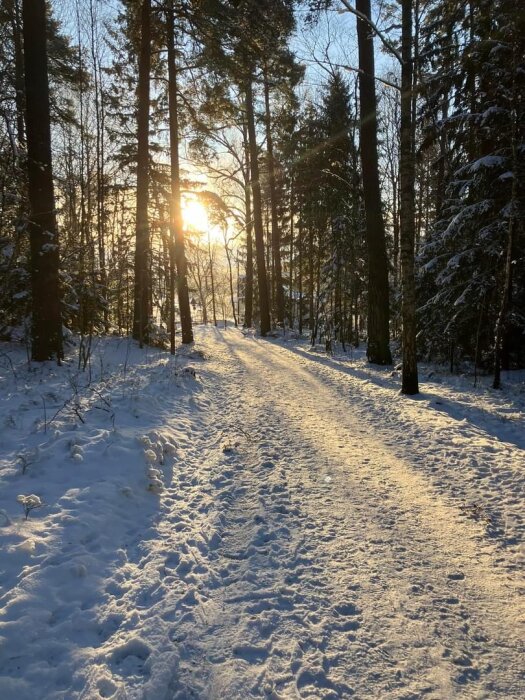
(95, 449)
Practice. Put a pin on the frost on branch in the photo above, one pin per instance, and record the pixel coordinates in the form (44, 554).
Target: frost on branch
(29, 503)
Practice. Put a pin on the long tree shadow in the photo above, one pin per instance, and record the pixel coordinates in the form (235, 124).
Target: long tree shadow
(493, 424)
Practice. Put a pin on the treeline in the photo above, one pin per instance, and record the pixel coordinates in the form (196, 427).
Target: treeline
(381, 206)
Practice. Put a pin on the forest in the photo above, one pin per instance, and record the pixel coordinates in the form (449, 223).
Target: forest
(262, 358)
(355, 173)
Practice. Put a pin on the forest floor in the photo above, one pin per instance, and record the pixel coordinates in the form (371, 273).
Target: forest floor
(315, 535)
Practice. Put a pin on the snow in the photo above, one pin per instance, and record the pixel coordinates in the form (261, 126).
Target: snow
(255, 519)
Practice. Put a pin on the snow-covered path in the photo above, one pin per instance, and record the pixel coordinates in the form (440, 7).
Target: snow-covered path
(318, 535)
(341, 568)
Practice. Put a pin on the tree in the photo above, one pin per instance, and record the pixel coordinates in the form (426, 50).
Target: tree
(378, 350)
(46, 326)
(177, 234)
(262, 279)
(248, 287)
(142, 239)
(471, 287)
(278, 294)
(407, 211)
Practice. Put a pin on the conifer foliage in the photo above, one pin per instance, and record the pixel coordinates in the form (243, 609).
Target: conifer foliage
(378, 200)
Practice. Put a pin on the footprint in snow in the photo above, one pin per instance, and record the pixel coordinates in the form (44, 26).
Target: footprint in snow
(346, 609)
(106, 688)
(250, 654)
(129, 658)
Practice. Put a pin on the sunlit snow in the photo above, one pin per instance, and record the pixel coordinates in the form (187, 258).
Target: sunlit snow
(275, 523)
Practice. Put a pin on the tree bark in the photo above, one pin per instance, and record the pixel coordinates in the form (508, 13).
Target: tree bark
(176, 227)
(248, 287)
(142, 238)
(513, 234)
(262, 279)
(291, 268)
(230, 275)
(212, 280)
(300, 279)
(46, 327)
(409, 384)
(378, 350)
(99, 154)
(278, 295)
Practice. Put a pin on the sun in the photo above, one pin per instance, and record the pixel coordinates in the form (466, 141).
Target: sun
(194, 215)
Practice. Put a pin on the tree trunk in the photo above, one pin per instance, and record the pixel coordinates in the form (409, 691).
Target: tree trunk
(176, 228)
(278, 295)
(257, 213)
(501, 323)
(99, 154)
(230, 275)
(300, 280)
(291, 270)
(311, 277)
(142, 240)
(248, 287)
(407, 212)
(506, 293)
(378, 350)
(46, 327)
(212, 280)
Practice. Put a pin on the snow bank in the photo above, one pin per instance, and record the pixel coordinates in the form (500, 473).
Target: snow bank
(85, 456)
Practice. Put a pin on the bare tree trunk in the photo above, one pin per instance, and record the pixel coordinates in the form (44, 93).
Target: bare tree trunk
(407, 213)
(99, 154)
(300, 280)
(506, 293)
(46, 327)
(311, 276)
(230, 273)
(378, 350)
(257, 213)
(142, 238)
(212, 280)
(276, 233)
(248, 287)
(177, 232)
(291, 271)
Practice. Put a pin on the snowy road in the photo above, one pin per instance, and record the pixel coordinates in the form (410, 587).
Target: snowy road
(341, 568)
(315, 535)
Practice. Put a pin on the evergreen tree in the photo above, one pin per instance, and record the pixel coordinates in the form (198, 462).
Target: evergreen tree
(467, 280)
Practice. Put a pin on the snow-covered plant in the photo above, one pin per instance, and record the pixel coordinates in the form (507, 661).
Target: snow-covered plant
(155, 485)
(150, 456)
(29, 503)
(189, 372)
(169, 448)
(26, 458)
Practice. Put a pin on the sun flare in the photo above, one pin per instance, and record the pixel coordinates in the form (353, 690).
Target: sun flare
(194, 215)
